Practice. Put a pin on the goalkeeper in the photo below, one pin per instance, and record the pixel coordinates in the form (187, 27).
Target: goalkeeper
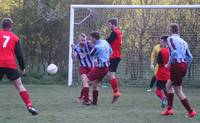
(154, 55)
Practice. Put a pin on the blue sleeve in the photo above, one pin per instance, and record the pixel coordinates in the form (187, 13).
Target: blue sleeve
(188, 57)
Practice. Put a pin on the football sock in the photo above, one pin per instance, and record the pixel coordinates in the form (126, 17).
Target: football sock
(159, 93)
(86, 94)
(95, 97)
(114, 84)
(153, 80)
(81, 94)
(186, 105)
(26, 98)
(170, 100)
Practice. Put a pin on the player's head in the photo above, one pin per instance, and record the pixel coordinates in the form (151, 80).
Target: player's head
(94, 36)
(7, 23)
(163, 41)
(112, 23)
(173, 28)
(82, 38)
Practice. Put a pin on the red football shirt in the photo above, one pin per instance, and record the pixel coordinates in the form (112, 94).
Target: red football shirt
(163, 73)
(116, 44)
(8, 41)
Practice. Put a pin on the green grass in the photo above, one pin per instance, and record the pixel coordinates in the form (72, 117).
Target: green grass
(56, 104)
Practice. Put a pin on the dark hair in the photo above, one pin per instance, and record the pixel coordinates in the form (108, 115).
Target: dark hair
(113, 21)
(164, 37)
(7, 23)
(95, 35)
(174, 28)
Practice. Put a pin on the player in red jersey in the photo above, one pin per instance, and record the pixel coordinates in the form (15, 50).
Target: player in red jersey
(115, 41)
(9, 47)
(163, 73)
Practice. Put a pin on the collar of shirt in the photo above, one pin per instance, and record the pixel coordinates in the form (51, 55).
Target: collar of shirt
(97, 41)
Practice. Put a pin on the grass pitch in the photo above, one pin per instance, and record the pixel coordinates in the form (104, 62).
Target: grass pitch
(56, 104)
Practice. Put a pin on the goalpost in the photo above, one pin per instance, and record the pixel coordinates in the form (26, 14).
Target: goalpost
(137, 22)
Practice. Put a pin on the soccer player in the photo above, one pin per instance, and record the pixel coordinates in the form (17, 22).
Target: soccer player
(9, 47)
(154, 55)
(101, 52)
(180, 59)
(82, 52)
(163, 73)
(115, 41)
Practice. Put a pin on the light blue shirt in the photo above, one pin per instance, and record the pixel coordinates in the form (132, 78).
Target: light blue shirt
(179, 50)
(101, 52)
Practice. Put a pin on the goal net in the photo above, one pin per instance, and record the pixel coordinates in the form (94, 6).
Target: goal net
(142, 27)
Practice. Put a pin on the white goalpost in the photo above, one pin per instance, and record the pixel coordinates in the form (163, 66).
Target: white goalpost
(113, 7)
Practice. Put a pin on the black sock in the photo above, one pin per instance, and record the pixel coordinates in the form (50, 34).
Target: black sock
(153, 80)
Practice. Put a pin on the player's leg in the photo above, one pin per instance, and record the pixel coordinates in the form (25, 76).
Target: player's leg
(180, 71)
(158, 90)
(79, 99)
(25, 96)
(170, 99)
(13, 75)
(184, 101)
(95, 92)
(160, 86)
(82, 71)
(85, 80)
(96, 75)
(153, 80)
(113, 79)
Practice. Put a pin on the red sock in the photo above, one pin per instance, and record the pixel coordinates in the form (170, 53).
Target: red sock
(81, 94)
(114, 84)
(159, 93)
(95, 97)
(186, 105)
(86, 94)
(26, 98)
(170, 100)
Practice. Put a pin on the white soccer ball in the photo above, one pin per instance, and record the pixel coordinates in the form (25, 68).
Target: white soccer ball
(52, 69)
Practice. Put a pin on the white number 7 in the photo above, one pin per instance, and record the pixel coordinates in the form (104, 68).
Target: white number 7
(7, 38)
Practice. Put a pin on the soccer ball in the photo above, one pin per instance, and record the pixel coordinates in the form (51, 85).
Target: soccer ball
(52, 69)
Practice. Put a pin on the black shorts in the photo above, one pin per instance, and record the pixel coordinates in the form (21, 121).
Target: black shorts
(114, 64)
(161, 84)
(11, 74)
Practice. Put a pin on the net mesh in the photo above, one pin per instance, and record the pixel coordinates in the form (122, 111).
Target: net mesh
(141, 29)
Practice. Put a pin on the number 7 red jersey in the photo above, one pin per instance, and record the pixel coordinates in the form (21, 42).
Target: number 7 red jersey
(8, 41)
